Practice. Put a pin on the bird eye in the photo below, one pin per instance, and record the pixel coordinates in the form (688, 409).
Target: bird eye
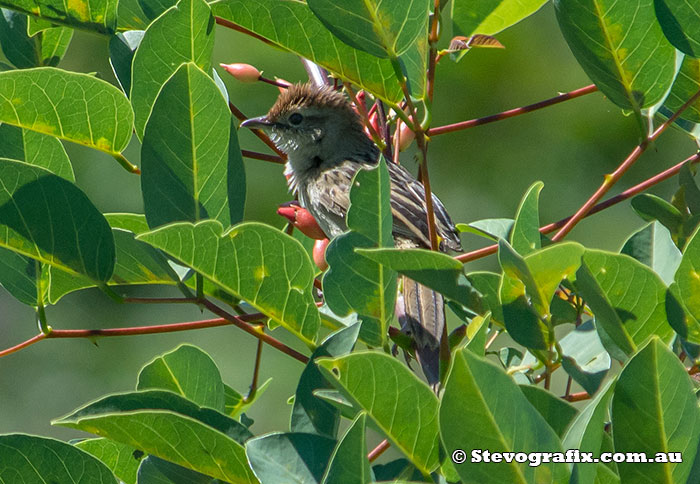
(296, 118)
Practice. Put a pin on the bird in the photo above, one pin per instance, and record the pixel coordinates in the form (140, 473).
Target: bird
(325, 143)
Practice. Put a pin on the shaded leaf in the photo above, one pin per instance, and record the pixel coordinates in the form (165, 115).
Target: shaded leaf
(121, 459)
(40, 459)
(688, 288)
(557, 413)
(680, 22)
(584, 358)
(348, 463)
(122, 47)
(652, 246)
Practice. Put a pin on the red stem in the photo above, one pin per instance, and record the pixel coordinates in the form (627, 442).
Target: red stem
(576, 397)
(243, 30)
(257, 132)
(378, 450)
(262, 156)
(512, 112)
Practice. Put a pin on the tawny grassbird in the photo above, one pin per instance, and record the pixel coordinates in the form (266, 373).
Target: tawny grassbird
(325, 143)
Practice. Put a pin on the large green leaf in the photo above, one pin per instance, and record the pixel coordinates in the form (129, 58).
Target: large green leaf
(384, 28)
(557, 412)
(400, 405)
(688, 287)
(354, 283)
(49, 219)
(76, 107)
(680, 21)
(161, 53)
(654, 409)
(432, 269)
(483, 408)
(26, 458)
(292, 457)
(96, 15)
(265, 267)
(184, 176)
(621, 47)
(652, 246)
(291, 25)
(36, 149)
(121, 459)
(187, 371)
(636, 295)
(168, 426)
(490, 16)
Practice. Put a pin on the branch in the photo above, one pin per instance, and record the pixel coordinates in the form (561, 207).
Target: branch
(576, 397)
(228, 24)
(262, 156)
(613, 178)
(629, 193)
(512, 112)
(378, 450)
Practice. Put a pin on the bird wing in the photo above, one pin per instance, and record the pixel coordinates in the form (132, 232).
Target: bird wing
(327, 196)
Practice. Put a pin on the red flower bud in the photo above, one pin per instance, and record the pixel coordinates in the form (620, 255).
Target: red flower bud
(319, 254)
(242, 72)
(302, 220)
(406, 137)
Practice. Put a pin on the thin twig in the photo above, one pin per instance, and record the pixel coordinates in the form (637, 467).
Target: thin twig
(262, 156)
(256, 370)
(228, 24)
(378, 450)
(433, 38)
(629, 193)
(362, 109)
(512, 112)
(610, 180)
(257, 132)
(576, 397)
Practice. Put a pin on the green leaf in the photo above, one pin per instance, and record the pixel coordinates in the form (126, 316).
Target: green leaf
(688, 287)
(49, 219)
(95, 15)
(26, 458)
(490, 16)
(621, 47)
(235, 403)
(168, 426)
(487, 283)
(161, 53)
(401, 406)
(71, 106)
(680, 22)
(136, 263)
(348, 463)
(54, 43)
(291, 25)
(432, 269)
(122, 48)
(183, 176)
(556, 412)
(309, 413)
(18, 275)
(654, 409)
(293, 457)
(636, 295)
(650, 208)
(381, 28)
(36, 149)
(525, 236)
(19, 48)
(131, 16)
(353, 282)
(652, 246)
(691, 192)
(586, 433)
(121, 459)
(584, 358)
(483, 408)
(686, 84)
(491, 228)
(187, 371)
(158, 471)
(255, 262)
(528, 286)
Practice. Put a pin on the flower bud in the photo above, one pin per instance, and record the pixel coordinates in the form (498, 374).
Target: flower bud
(242, 72)
(302, 220)
(406, 137)
(319, 253)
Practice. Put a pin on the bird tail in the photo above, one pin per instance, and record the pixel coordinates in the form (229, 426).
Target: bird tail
(424, 319)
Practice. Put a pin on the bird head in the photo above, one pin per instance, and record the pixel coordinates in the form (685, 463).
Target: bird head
(315, 126)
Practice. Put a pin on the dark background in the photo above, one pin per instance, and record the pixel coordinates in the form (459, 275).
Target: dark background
(478, 173)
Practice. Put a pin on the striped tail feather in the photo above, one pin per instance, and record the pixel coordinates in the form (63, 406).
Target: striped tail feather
(423, 319)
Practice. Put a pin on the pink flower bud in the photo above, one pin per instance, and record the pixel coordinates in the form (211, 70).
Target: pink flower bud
(406, 137)
(302, 220)
(242, 72)
(319, 254)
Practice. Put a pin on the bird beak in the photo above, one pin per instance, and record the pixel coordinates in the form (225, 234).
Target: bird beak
(260, 122)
